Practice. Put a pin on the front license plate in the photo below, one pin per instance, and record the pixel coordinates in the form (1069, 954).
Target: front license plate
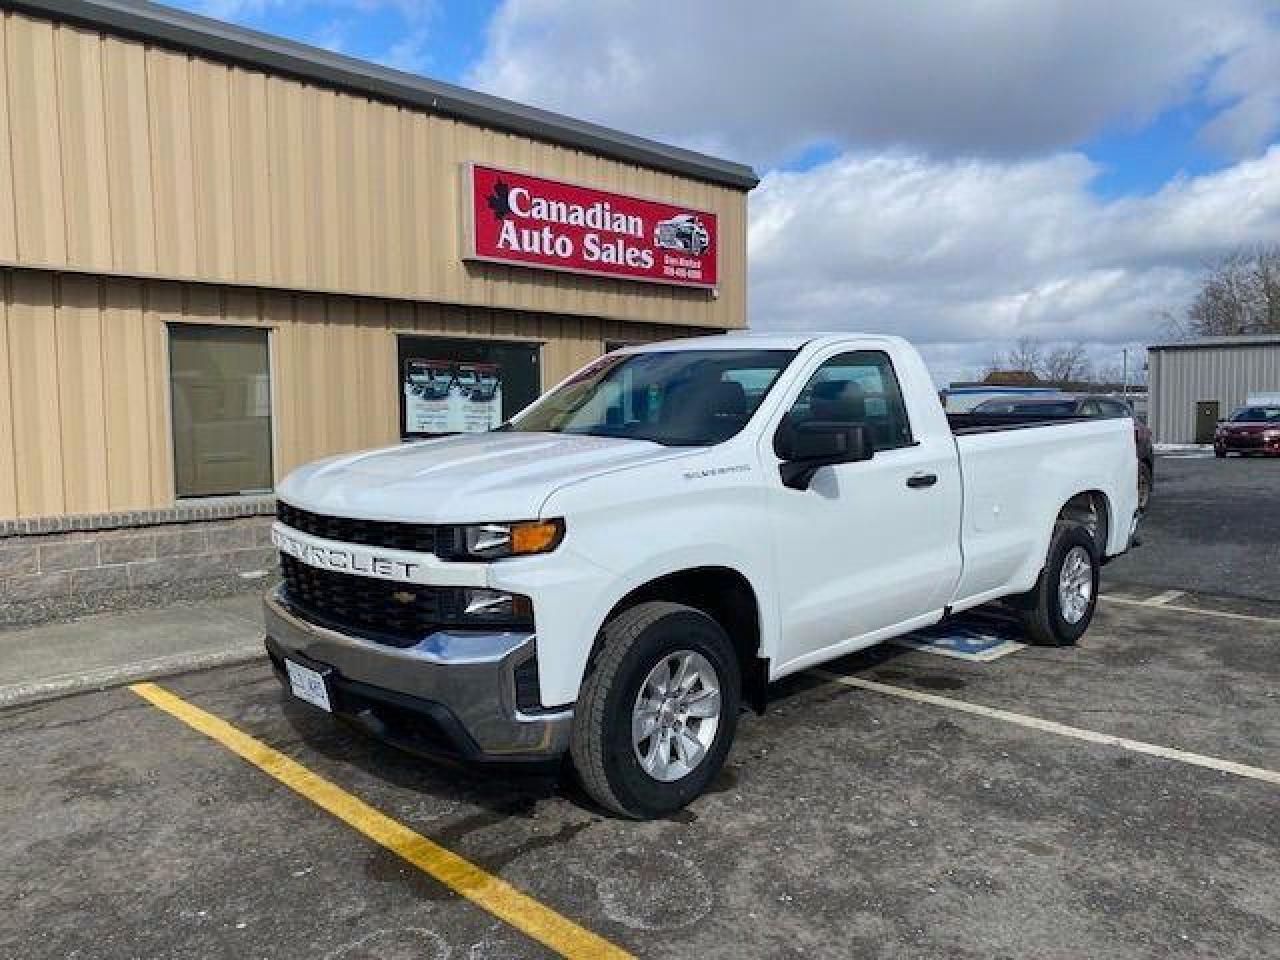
(307, 684)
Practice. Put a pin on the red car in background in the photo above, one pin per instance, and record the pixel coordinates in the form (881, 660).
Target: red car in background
(1254, 429)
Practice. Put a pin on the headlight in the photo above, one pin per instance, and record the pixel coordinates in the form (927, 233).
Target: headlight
(1271, 434)
(481, 605)
(495, 541)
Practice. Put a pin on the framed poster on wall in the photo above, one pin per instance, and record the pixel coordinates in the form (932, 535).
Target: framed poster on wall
(450, 385)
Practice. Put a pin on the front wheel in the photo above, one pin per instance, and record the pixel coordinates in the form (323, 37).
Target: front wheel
(658, 710)
(1059, 609)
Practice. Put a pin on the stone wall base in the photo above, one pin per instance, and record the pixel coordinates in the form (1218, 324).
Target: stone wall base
(49, 574)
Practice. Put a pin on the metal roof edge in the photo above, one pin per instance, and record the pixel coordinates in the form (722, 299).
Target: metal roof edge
(1246, 340)
(212, 38)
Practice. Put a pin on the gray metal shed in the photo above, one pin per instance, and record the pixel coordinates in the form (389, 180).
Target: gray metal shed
(1195, 382)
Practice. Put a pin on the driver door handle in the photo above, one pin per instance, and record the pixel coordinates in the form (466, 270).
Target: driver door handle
(917, 480)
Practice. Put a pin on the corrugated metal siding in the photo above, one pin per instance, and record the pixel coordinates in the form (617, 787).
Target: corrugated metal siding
(84, 393)
(1181, 377)
(145, 162)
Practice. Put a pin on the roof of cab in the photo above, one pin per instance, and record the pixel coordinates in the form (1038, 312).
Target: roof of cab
(761, 340)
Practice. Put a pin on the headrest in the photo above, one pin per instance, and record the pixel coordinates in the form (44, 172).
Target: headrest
(839, 400)
(727, 398)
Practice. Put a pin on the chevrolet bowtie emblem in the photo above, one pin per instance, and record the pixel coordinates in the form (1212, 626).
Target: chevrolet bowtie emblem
(404, 596)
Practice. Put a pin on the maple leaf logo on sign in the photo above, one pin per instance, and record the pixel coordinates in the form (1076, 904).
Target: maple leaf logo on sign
(500, 200)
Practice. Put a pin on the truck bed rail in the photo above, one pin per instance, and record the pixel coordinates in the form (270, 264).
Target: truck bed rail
(966, 424)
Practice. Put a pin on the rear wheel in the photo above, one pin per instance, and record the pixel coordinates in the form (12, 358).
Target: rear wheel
(1220, 454)
(658, 710)
(1059, 609)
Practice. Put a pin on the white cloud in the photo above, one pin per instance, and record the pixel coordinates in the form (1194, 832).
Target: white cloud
(957, 210)
(967, 255)
(996, 78)
(1248, 82)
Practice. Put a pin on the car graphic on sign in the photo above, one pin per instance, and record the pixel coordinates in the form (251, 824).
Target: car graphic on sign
(684, 232)
(479, 382)
(429, 379)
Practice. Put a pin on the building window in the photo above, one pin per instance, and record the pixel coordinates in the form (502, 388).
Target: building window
(463, 386)
(221, 388)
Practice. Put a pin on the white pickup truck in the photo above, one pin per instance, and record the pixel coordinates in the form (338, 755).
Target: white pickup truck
(618, 568)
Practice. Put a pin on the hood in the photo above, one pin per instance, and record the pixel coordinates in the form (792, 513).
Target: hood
(464, 479)
(1248, 426)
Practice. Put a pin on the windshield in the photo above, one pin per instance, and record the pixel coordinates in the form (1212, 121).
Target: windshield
(676, 398)
(1257, 415)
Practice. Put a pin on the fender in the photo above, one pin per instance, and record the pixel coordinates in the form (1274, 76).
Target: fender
(679, 561)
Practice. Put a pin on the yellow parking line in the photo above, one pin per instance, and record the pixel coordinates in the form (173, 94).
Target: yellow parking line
(461, 876)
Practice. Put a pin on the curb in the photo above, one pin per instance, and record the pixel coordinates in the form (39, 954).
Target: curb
(105, 678)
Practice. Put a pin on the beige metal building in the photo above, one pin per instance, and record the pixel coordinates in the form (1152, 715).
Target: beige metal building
(223, 254)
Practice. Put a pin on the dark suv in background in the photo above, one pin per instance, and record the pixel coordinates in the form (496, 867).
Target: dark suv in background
(1084, 405)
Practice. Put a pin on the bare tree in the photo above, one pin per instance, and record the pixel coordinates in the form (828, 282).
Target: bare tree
(1112, 372)
(1025, 356)
(1240, 295)
(1068, 363)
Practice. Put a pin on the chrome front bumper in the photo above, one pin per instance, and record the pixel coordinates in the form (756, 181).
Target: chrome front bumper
(462, 683)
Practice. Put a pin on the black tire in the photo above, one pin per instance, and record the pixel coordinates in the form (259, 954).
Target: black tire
(1220, 454)
(632, 644)
(1146, 481)
(1040, 610)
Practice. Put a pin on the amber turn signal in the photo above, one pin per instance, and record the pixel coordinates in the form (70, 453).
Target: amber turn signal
(536, 536)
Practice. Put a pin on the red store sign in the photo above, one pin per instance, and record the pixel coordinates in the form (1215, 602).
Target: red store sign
(530, 221)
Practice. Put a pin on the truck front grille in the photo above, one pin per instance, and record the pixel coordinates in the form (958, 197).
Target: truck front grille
(399, 614)
(418, 537)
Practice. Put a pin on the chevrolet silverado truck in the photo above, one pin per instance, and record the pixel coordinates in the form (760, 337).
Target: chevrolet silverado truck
(610, 575)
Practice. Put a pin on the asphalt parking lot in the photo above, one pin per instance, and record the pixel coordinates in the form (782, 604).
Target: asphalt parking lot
(1213, 528)
(900, 804)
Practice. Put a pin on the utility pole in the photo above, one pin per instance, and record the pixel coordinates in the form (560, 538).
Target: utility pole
(1125, 388)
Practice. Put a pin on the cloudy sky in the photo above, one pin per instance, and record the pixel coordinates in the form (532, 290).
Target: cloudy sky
(962, 173)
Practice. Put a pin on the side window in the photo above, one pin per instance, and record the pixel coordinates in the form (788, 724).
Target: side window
(857, 387)
(1114, 408)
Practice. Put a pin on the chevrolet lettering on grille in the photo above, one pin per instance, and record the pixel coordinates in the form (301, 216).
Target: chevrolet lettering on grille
(343, 560)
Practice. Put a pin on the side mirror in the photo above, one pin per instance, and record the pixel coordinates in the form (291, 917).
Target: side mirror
(806, 447)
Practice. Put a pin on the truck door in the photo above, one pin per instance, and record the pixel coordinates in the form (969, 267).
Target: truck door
(873, 544)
